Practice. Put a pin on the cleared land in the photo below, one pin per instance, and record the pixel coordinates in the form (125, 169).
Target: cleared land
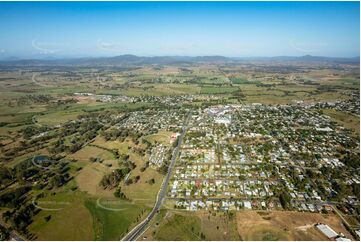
(244, 225)
(282, 225)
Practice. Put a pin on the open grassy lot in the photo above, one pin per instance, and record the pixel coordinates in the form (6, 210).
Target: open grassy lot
(56, 118)
(72, 222)
(160, 137)
(179, 226)
(111, 224)
(162, 90)
(217, 90)
(77, 217)
(200, 225)
(269, 99)
(84, 154)
(219, 226)
(281, 96)
(344, 119)
(142, 192)
(283, 225)
(89, 177)
(116, 144)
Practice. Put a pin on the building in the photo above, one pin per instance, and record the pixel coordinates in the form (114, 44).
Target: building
(342, 239)
(326, 230)
(247, 205)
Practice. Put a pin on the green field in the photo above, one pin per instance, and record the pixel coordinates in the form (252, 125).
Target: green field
(241, 80)
(217, 90)
(64, 223)
(111, 225)
(179, 227)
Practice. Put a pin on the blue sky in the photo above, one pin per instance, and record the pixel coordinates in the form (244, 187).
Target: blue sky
(238, 29)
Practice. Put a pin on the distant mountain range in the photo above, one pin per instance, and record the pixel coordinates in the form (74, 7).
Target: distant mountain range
(139, 60)
(307, 58)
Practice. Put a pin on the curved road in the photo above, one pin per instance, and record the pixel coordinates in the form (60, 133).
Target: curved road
(140, 228)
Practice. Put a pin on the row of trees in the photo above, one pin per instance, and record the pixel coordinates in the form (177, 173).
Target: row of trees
(31, 98)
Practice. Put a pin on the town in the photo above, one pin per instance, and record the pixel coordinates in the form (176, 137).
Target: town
(264, 157)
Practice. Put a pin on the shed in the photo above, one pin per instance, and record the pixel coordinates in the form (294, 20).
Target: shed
(326, 230)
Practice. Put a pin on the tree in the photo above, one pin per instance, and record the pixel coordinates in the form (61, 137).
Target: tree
(4, 234)
(118, 193)
(151, 181)
(47, 218)
(284, 199)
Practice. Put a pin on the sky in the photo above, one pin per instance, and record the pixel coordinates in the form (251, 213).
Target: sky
(234, 29)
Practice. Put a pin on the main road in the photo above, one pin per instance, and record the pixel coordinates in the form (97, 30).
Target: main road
(140, 228)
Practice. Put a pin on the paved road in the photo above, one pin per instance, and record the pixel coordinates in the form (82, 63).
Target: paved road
(140, 228)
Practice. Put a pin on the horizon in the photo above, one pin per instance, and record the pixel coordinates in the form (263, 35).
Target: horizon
(54, 58)
(58, 30)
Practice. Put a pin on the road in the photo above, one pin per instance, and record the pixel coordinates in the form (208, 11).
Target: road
(140, 228)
